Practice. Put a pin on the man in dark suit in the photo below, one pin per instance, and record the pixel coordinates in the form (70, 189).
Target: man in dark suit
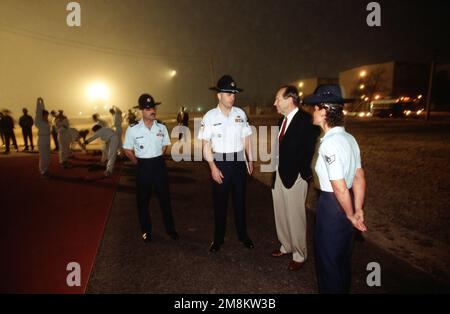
(26, 123)
(8, 129)
(296, 144)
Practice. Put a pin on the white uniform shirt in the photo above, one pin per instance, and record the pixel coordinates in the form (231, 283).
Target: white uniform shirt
(226, 134)
(43, 126)
(146, 143)
(339, 157)
(62, 125)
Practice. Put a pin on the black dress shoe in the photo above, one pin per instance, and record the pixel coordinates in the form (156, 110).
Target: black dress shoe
(215, 246)
(147, 237)
(248, 243)
(174, 235)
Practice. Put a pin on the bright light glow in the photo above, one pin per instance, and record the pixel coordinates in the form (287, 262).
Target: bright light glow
(362, 73)
(344, 112)
(80, 113)
(419, 112)
(173, 73)
(300, 84)
(407, 112)
(377, 96)
(363, 96)
(300, 94)
(362, 114)
(419, 97)
(366, 99)
(368, 114)
(361, 86)
(199, 109)
(98, 91)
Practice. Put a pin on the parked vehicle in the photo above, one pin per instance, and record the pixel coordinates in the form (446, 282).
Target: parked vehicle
(396, 108)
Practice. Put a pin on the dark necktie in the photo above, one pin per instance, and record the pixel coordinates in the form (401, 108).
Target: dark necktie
(283, 129)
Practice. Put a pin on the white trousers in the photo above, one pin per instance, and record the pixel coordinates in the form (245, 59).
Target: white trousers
(44, 152)
(113, 146)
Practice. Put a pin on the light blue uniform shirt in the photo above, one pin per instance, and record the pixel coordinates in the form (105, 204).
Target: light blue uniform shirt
(145, 142)
(339, 157)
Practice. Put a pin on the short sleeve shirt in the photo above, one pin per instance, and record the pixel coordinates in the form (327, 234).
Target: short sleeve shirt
(226, 134)
(339, 158)
(145, 142)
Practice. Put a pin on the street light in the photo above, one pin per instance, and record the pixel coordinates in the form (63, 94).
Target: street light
(300, 84)
(362, 73)
(98, 91)
(172, 74)
(361, 86)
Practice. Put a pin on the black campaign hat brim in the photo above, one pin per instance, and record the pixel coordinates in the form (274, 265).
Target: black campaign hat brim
(225, 90)
(143, 107)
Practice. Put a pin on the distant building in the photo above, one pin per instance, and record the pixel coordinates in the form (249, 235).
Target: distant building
(307, 86)
(385, 80)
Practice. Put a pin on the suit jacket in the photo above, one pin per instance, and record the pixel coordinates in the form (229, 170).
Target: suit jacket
(296, 149)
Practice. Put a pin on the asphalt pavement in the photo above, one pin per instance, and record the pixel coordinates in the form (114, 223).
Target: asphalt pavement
(125, 264)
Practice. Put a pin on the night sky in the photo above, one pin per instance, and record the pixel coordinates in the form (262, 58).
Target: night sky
(132, 46)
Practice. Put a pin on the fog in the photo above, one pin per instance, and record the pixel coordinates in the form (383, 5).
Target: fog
(131, 47)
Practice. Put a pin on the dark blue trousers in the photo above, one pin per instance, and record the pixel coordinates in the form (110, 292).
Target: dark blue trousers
(234, 171)
(152, 173)
(333, 245)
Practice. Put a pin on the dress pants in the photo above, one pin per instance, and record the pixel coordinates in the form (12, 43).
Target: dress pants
(10, 136)
(290, 217)
(152, 172)
(234, 171)
(333, 245)
(28, 135)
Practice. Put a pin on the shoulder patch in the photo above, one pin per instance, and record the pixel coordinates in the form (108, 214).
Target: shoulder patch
(134, 123)
(330, 159)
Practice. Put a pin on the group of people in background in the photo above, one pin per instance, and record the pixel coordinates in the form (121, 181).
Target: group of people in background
(55, 125)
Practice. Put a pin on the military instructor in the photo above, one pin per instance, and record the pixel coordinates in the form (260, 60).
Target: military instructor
(225, 134)
(145, 143)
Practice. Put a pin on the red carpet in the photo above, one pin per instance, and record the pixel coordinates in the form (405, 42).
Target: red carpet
(47, 223)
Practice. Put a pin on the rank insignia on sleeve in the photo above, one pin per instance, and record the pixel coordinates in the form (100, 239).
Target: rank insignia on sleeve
(330, 159)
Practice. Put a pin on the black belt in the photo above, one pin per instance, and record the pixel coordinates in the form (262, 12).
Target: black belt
(236, 156)
(149, 159)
